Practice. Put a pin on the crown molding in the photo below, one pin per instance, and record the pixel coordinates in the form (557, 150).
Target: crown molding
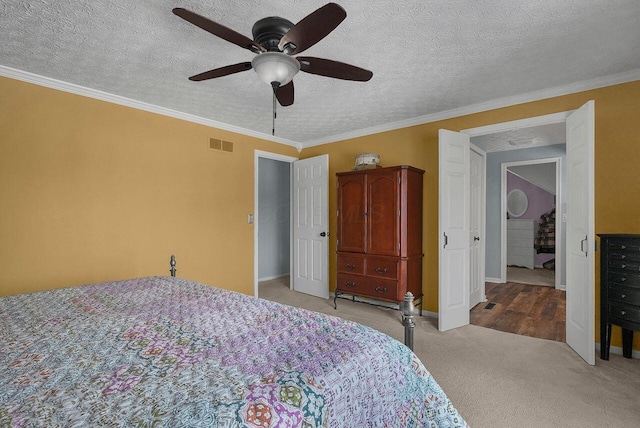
(586, 85)
(60, 85)
(556, 91)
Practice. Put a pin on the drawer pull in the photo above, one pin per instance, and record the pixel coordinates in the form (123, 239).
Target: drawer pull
(350, 284)
(623, 257)
(624, 266)
(381, 270)
(623, 279)
(623, 296)
(381, 290)
(351, 266)
(623, 312)
(623, 247)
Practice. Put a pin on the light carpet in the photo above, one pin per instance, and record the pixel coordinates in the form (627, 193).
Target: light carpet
(498, 379)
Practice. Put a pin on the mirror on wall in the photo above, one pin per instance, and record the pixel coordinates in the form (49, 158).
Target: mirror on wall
(517, 203)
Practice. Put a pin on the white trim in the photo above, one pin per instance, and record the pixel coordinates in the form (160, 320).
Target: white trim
(600, 82)
(128, 102)
(618, 351)
(269, 278)
(518, 124)
(256, 183)
(494, 280)
(557, 91)
(483, 217)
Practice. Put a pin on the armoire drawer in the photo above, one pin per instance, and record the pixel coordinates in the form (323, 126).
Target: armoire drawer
(624, 312)
(367, 286)
(382, 267)
(625, 295)
(350, 263)
(623, 279)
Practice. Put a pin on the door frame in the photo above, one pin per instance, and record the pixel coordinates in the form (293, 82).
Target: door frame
(256, 214)
(507, 126)
(558, 222)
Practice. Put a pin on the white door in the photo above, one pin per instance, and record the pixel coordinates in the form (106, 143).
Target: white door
(476, 233)
(580, 232)
(310, 181)
(454, 219)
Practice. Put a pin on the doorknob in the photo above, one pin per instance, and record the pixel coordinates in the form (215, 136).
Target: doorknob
(324, 234)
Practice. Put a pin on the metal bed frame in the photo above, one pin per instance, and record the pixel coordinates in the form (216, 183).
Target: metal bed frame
(407, 309)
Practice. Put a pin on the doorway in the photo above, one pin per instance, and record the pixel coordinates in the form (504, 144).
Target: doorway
(453, 309)
(527, 297)
(272, 219)
(291, 224)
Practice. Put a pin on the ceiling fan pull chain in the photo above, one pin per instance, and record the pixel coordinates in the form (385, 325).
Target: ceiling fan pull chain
(275, 86)
(273, 121)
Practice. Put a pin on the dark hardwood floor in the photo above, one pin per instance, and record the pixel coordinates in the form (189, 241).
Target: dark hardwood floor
(529, 310)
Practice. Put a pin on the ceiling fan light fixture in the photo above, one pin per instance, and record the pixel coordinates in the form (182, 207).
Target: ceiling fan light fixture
(275, 67)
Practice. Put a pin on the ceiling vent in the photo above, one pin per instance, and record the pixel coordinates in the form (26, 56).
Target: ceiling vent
(524, 142)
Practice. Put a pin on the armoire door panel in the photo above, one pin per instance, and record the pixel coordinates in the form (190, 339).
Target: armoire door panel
(383, 213)
(352, 213)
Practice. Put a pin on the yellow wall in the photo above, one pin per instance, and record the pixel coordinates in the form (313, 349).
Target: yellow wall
(617, 159)
(92, 191)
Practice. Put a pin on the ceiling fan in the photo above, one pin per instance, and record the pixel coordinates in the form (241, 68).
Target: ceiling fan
(275, 40)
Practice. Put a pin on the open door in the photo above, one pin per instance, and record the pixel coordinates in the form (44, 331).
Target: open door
(454, 229)
(477, 225)
(580, 232)
(310, 181)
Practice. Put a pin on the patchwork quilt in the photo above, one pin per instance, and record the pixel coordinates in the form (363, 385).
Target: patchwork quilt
(167, 352)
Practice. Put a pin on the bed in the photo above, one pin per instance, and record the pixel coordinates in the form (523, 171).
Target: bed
(165, 351)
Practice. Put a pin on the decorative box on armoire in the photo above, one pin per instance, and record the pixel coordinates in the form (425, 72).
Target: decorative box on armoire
(619, 289)
(379, 242)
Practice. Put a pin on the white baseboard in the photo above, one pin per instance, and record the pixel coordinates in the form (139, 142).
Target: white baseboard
(269, 278)
(618, 351)
(495, 280)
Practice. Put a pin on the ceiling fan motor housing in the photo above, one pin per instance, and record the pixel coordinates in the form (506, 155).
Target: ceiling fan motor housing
(267, 32)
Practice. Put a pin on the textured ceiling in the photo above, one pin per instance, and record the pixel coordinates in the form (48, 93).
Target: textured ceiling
(522, 138)
(427, 56)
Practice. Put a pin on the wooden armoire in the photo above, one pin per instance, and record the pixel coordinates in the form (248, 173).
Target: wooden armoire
(379, 242)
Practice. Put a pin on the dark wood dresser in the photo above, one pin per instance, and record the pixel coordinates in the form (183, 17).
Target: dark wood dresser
(619, 289)
(380, 233)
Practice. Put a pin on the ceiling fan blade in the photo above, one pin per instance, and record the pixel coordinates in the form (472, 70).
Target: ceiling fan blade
(284, 94)
(312, 28)
(222, 71)
(335, 69)
(218, 30)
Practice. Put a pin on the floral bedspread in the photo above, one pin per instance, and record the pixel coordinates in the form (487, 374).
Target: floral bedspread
(164, 351)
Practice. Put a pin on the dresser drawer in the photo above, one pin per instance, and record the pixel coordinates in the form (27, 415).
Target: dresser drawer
(382, 267)
(351, 283)
(625, 257)
(623, 247)
(624, 265)
(350, 264)
(626, 295)
(377, 288)
(628, 279)
(624, 312)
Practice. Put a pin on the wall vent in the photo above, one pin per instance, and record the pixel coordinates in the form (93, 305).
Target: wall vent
(220, 145)
(227, 146)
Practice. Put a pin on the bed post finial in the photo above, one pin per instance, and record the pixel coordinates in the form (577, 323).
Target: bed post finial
(173, 265)
(408, 309)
